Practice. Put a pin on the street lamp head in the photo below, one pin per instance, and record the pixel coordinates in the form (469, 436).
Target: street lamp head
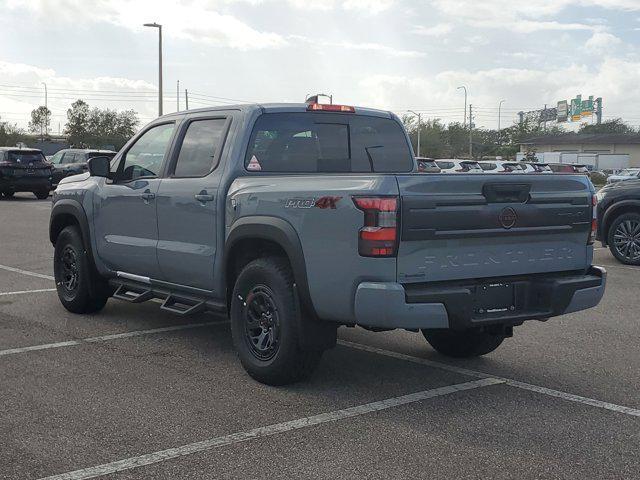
(154, 24)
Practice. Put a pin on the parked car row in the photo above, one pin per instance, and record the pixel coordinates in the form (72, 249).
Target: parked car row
(28, 170)
(627, 174)
(453, 165)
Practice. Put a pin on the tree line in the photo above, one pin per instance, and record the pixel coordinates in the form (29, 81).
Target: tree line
(86, 127)
(438, 140)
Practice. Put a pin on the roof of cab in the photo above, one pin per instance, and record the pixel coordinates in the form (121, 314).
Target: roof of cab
(276, 108)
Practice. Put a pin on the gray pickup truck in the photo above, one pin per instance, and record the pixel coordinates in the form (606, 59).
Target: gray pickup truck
(295, 219)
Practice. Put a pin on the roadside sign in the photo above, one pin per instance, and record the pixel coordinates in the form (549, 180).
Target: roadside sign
(563, 111)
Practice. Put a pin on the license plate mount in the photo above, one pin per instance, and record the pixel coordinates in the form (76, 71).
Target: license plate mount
(495, 298)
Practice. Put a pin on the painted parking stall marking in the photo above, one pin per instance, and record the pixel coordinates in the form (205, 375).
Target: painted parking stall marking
(22, 292)
(189, 449)
(26, 272)
(106, 338)
(507, 381)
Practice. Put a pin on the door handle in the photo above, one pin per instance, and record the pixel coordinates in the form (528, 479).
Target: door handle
(146, 196)
(203, 197)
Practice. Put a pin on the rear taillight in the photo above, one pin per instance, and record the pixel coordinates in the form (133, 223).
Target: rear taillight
(379, 235)
(594, 220)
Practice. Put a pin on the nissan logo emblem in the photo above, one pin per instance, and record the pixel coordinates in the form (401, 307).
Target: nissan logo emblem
(508, 217)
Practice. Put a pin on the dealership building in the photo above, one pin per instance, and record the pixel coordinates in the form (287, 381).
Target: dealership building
(600, 150)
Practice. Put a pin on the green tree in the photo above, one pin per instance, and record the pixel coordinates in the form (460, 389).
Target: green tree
(96, 127)
(615, 125)
(10, 134)
(40, 120)
(77, 122)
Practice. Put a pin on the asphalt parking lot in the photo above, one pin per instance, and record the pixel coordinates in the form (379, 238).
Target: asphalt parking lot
(136, 392)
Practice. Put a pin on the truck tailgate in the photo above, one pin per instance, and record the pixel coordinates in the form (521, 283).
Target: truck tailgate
(456, 227)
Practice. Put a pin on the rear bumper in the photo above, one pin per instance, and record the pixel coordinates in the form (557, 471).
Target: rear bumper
(454, 305)
(25, 184)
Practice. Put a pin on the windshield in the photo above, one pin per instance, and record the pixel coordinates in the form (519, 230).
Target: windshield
(444, 165)
(470, 166)
(322, 142)
(25, 158)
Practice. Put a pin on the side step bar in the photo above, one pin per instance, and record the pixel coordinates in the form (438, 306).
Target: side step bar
(128, 294)
(176, 302)
(183, 306)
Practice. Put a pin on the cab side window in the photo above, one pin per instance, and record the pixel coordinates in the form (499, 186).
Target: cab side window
(145, 157)
(200, 148)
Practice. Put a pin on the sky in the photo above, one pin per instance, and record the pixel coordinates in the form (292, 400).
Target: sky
(397, 55)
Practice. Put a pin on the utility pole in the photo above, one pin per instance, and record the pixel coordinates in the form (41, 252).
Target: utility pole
(46, 111)
(499, 111)
(470, 132)
(186, 99)
(159, 27)
(419, 127)
(178, 96)
(464, 122)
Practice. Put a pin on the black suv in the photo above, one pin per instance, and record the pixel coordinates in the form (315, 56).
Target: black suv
(73, 161)
(24, 170)
(619, 220)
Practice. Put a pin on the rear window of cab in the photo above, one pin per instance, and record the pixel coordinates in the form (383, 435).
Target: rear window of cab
(327, 143)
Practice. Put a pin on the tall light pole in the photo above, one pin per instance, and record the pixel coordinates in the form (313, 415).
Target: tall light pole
(464, 123)
(46, 111)
(419, 126)
(159, 27)
(499, 111)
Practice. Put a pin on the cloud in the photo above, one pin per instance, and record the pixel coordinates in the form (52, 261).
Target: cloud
(367, 6)
(602, 42)
(117, 93)
(434, 31)
(193, 20)
(523, 89)
(363, 46)
(524, 16)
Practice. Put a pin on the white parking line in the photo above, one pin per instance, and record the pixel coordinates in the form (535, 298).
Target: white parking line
(20, 292)
(105, 338)
(26, 272)
(163, 455)
(514, 383)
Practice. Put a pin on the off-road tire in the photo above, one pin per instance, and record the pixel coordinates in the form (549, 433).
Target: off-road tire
(464, 344)
(264, 289)
(626, 225)
(80, 288)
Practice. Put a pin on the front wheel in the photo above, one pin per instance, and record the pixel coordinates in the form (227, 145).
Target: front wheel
(624, 238)
(465, 344)
(265, 324)
(41, 194)
(8, 194)
(80, 289)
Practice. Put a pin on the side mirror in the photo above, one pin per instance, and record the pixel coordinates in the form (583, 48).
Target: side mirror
(99, 166)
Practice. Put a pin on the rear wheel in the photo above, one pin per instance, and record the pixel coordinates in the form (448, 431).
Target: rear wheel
(80, 288)
(624, 238)
(8, 194)
(265, 324)
(41, 194)
(465, 344)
